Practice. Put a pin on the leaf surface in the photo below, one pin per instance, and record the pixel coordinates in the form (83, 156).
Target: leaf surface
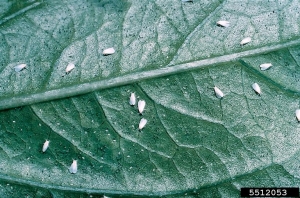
(170, 54)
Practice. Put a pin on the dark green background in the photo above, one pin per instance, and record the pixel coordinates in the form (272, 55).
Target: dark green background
(171, 54)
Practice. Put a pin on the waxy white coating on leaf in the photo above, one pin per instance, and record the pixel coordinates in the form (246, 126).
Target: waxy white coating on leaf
(298, 114)
(265, 66)
(142, 124)
(245, 41)
(70, 67)
(256, 88)
(46, 145)
(108, 51)
(218, 92)
(20, 67)
(73, 167)
(132, 99)
(141, 106)
(223, 23)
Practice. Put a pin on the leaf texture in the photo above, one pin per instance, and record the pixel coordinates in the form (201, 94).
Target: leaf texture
(170, 54)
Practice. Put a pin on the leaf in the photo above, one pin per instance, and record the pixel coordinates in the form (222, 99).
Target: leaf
(170, 54)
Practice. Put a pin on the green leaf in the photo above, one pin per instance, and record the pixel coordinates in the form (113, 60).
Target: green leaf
(170, 54)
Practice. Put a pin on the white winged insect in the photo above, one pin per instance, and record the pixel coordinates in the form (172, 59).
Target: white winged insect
(141, 106)
(223, 23)
(298, 114)
(256, 88)
(132, 99)
(73, 167)
(245, 41)
(70, 67)
(265, 66)
(108, 51)
(218, 92)
(20, 67)
(46, 145)
(142, 123)
(191, 1)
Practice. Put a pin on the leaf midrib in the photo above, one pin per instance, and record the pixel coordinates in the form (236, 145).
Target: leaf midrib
(79, 89)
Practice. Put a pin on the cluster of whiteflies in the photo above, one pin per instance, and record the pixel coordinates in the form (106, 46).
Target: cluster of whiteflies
(143, 122)
(263, 67)
(142, 103)
(69, 68)
(220, 94)
(73, 167)
(141, 107)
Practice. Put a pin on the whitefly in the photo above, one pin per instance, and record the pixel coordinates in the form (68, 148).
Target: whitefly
(108, 51)
(142, 123)
(218, 92)
(141, 106)
(265, 66)
(70, 67)
(132, 99)
(256, 88)
(20, 67)
(298, 114)
(223, 23)
(45, 145)
(245, 41)
(73, 167)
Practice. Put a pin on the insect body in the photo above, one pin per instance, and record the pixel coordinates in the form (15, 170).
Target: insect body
(108, 51)
(46, 145)
(265, 66)
(223, 23)
(218, 92)
(73, 167)
(245, 41)
(20, 67)
(70, 67)
(132, 99)
(256, 88)
(298, 114)
(142, 124)
(141, 106)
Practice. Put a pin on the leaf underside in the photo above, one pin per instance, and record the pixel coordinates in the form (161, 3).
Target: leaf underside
(170, 54)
